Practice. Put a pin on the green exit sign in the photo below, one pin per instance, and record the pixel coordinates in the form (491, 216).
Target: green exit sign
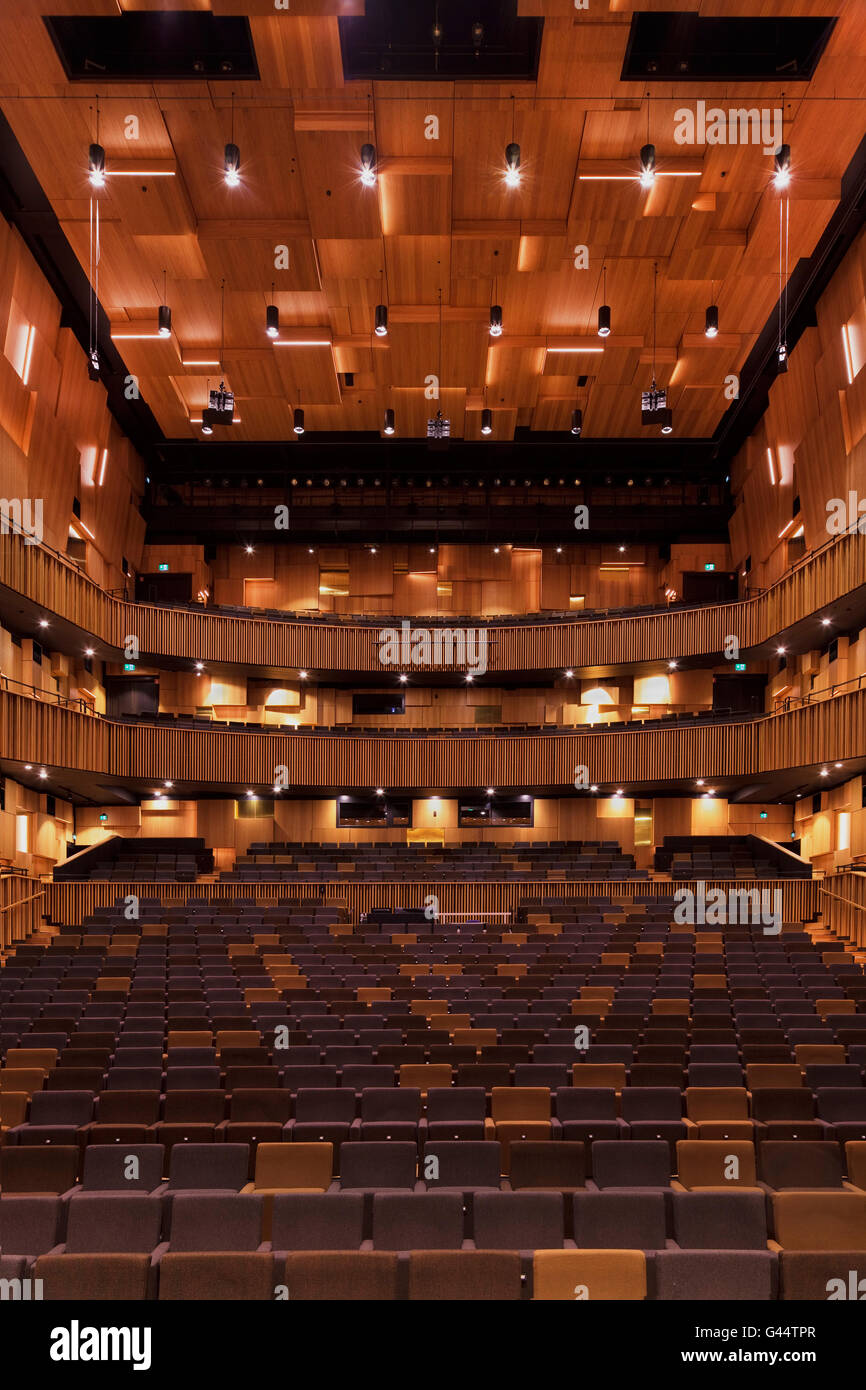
(763, 815)
(706, 567)
(163, 567)
(103, 818)
(739, 665)
(128, 666)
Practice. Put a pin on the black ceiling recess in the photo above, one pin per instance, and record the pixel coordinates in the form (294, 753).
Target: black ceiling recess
(670, 45)
(401, 41)
(154, 46)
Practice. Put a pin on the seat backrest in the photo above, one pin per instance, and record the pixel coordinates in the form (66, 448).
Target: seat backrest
(716, 1163)
(565, 1275)
(518, 1220)
(203, 1166)
(720, 1220)
(128, 1224)
(520, 1103)
(205, 1221)
(639, 1163)
(820, 1220)
(123, 1167)
(294, 1166)
(800, 1163)
(314, 1221)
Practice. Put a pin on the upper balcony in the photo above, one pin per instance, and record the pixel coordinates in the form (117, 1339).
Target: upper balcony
(35, 581)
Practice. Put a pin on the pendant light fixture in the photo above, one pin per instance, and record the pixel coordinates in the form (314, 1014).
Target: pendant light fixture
(232, 155)
(604, 309)
(272, 317)
(711, 317)
(512, 157)
(368, 151)
(164, 312)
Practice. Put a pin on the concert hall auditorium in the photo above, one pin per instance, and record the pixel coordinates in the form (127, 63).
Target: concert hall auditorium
(432, 659)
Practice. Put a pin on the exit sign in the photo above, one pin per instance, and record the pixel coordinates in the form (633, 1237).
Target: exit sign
(706, 567)
(163, 567)
(103, 818)
(763, 815)
(739, 665)
(128, 666)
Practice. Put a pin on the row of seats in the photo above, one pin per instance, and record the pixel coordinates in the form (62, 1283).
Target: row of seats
(608, 1244)
(314, 1109)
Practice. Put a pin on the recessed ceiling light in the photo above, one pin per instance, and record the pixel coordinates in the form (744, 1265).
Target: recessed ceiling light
(88, 651)
(569, 675)
(302, 675)
(402, 679)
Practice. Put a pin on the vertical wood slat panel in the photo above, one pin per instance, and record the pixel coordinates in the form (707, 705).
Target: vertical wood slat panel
(59, 587)
(70, 903)
(31, 730)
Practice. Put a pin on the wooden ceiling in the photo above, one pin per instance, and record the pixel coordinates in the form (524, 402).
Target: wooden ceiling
(439, 218)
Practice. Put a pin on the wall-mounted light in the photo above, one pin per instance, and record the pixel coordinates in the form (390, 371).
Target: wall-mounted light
(389, 421)
(486, 421)
(381, 321)
(496, 320)
(576, 421)
(272, 321)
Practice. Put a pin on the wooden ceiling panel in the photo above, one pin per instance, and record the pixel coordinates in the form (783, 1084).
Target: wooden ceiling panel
(249, 262)
(309, 372)
(440, 217)
(513, 372)
(298, 52)
(417, 267)
(414, 203)
(337, 202)
(414, 118)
